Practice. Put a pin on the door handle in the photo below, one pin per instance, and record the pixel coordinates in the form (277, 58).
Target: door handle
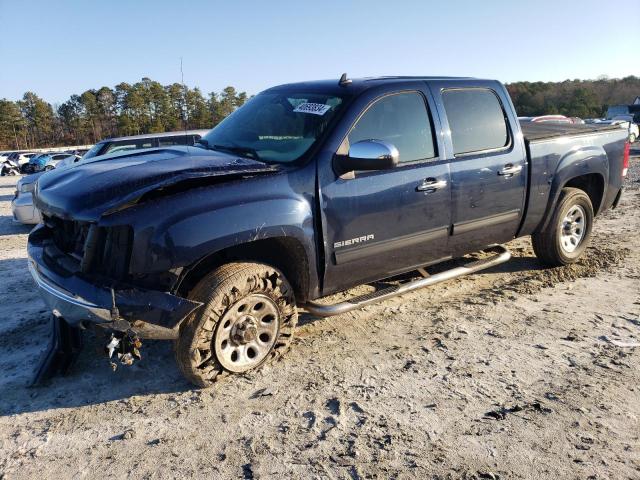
(510, 170)
(430, 185)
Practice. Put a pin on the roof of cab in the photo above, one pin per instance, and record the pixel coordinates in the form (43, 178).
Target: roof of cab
(358, 85)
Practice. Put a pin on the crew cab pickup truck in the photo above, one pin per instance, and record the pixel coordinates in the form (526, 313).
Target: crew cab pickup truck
(307, 190)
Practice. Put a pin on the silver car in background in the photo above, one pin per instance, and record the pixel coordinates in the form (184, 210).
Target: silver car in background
(22, 204)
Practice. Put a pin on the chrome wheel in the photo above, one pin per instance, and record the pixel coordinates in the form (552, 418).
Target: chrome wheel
(572, 228)
(246, 333)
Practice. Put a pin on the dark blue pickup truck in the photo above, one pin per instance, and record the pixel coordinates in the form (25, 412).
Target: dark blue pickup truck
(307, 190)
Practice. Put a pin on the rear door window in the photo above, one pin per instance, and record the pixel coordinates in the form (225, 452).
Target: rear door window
(476, 119)
(401, 119)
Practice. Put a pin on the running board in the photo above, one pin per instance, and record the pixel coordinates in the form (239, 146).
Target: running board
(502, 255)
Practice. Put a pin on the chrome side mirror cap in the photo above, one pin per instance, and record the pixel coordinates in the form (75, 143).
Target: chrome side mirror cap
(370, 155)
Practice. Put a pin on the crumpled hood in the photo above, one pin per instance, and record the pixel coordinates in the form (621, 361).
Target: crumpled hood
(107, 183)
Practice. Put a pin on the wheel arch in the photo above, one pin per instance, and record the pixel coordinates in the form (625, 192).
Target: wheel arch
(586, 169)
(287, 254)
(593, 185)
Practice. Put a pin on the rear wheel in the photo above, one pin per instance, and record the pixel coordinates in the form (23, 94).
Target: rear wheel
(568, 233)
(248, 318)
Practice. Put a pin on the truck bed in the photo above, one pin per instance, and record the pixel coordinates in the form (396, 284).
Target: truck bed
(533, 131)
(550, 153)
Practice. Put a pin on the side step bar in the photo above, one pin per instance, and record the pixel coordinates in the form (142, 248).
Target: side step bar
(501, 256)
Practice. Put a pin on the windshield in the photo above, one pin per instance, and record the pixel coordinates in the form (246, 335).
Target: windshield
(93, 151)
(276, 126)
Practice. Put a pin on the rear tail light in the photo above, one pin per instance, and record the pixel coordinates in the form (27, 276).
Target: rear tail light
(625, 159)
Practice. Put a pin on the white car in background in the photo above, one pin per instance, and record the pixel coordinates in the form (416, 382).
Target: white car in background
(634, 130)
(21, 158)
(70, 160)
(624, 121)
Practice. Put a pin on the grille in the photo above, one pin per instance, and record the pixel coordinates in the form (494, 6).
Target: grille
(100, 250)
(69, 236)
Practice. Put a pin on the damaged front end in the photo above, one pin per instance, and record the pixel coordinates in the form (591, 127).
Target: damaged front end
(102, 255)
(70, 264)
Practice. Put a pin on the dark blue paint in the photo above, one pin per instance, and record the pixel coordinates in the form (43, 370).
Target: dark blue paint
(224, 202)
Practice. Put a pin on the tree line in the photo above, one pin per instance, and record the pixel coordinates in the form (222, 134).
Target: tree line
(573, 98)
(144, 107)
(149, 107)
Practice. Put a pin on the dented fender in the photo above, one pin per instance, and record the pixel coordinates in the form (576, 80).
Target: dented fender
(176, 232)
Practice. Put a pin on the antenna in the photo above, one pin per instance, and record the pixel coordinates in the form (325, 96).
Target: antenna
(184, 105)
(344, 80)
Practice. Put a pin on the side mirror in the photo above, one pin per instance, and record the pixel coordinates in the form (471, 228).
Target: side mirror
(370, 155)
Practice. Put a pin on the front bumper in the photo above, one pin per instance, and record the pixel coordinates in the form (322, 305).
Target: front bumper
(24, 211)
(81, 301)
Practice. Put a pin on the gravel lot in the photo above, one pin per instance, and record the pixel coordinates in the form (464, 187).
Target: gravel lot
(516, 372)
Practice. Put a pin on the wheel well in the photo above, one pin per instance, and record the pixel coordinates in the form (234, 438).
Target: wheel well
(593, 185)
(285, 253)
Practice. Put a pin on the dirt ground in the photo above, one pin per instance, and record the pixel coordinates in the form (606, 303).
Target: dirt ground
(516, 372)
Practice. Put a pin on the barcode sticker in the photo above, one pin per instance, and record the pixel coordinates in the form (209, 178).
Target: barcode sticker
(313, 108)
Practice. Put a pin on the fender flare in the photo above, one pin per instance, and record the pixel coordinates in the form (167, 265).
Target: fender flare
(576, 163)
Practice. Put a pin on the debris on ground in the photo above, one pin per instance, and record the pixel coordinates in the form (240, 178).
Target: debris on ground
(619, 343)
(263, 392)
(502, 412)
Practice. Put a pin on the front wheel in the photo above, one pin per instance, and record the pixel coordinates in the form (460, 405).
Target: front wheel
(632, 138)
(248, 318)
(568, 233)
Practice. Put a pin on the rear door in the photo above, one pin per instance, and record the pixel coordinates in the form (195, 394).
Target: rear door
(378, 223)
(488, 165)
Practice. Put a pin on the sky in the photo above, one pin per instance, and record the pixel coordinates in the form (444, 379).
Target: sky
(56, 48)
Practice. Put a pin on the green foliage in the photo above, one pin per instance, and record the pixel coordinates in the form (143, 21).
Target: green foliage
(148, 106)
(144, 107)
(573, 98)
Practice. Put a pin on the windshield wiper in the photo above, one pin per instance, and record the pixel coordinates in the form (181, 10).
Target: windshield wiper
(243, 151)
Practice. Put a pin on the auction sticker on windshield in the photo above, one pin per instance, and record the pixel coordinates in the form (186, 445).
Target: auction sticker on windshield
(313, 108)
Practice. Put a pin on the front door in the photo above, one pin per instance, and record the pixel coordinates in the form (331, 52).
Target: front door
(384, 222)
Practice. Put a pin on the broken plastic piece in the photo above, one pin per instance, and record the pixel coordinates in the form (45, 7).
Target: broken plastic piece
(64, 347)
(112, 345)
(125, 346)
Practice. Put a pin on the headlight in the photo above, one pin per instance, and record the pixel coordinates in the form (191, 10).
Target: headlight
(27, 187)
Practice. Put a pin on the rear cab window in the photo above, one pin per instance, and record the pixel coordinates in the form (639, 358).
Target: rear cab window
(175, 140)
(124, 145)
(401, 119)
(477, 120)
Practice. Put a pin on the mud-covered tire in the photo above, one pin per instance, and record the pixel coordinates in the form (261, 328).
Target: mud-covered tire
(548, 243)
(222, 293)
